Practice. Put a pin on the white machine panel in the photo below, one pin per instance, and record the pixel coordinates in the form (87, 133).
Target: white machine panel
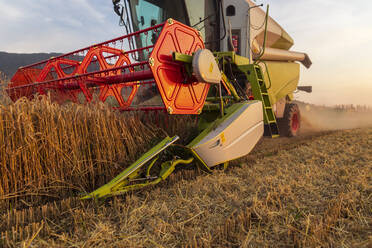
(234, 137)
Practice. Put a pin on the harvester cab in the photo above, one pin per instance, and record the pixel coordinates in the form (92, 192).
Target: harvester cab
(140, 14)
(226, 61)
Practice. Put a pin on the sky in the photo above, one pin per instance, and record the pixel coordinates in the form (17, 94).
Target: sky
(336, 34)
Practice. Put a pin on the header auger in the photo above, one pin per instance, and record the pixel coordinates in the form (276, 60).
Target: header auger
(239, 93)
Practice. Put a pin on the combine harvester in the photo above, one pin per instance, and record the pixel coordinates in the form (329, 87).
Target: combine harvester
(226, 61)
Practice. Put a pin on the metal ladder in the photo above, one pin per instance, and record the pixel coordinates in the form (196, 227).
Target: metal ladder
(260, 92)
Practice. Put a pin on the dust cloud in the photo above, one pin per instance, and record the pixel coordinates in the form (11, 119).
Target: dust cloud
(317, 118)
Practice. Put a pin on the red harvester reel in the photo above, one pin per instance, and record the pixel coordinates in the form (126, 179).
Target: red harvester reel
(107, 70)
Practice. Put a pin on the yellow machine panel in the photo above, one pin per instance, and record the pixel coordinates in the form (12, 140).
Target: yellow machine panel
(282, 79)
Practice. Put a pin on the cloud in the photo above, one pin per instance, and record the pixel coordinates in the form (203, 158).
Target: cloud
(7, 11)
(55, 26)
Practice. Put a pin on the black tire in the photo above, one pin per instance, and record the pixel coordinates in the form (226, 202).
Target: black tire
(290, 124)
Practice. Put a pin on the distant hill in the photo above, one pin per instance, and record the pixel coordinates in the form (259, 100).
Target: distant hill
(9, 62)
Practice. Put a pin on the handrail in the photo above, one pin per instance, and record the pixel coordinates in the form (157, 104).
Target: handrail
(265, 36)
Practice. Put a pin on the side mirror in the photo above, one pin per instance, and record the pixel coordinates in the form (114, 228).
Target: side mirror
(117, 7)
(142, 21)
(117, 10)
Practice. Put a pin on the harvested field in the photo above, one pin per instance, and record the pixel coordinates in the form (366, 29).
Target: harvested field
(311, 191)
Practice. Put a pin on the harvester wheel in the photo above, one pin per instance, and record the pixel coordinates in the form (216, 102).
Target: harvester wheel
(290, 124)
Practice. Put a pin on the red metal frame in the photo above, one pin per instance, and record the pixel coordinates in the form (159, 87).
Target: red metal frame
(108, 69)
